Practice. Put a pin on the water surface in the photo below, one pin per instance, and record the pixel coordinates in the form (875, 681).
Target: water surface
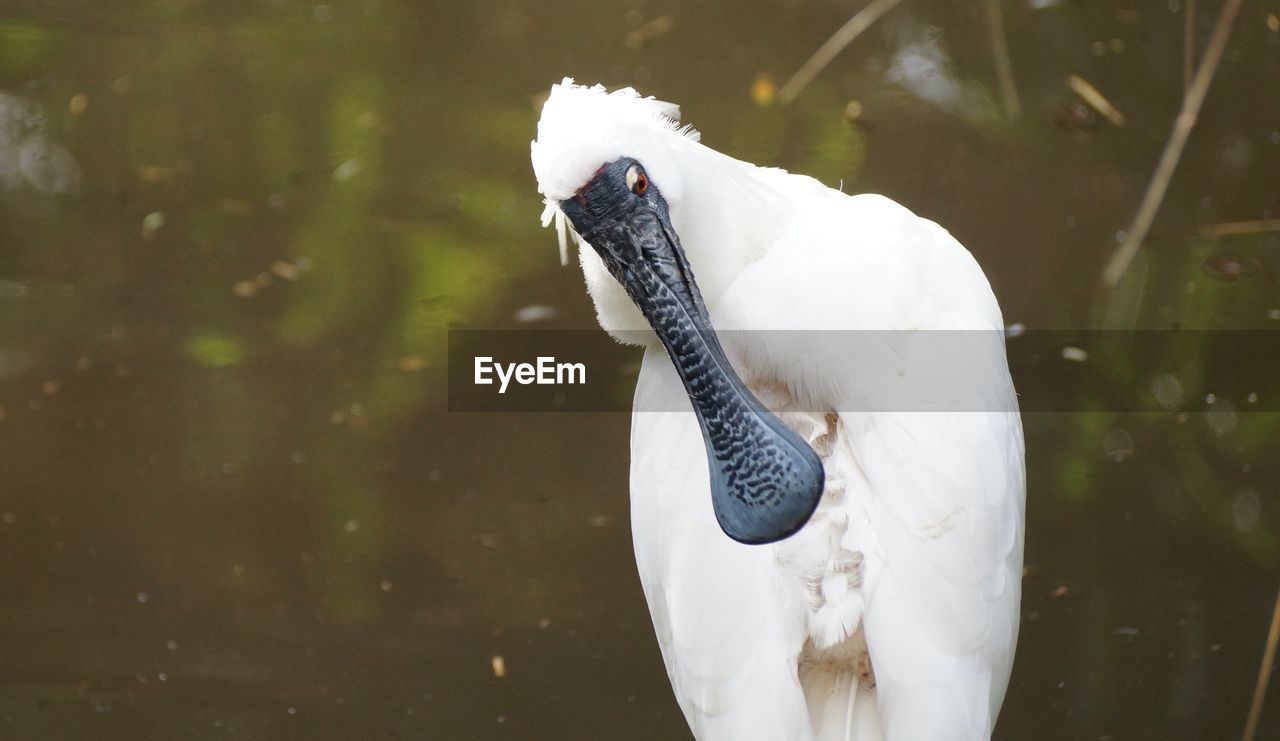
(233, 237)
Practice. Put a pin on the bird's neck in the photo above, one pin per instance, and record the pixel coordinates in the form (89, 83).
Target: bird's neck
(731, 214)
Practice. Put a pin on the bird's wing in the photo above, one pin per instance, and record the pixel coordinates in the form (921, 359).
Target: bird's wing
(939, 502)
(933, 499)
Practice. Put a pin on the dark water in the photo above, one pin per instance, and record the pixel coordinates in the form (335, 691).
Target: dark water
(233, 237)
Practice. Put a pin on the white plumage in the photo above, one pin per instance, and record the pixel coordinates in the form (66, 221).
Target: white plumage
(893, 613)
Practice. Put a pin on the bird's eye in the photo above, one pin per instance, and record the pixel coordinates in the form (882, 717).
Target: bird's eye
(637, 181)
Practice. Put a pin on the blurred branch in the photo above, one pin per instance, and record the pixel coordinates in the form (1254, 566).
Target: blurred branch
(1264, 674)
(1188, 45)
(1004, 67)
(1237, 228)
(1096, 100)
(860, 22)
(1186, 120)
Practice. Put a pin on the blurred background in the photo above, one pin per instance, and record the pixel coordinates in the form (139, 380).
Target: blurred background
(234, 235)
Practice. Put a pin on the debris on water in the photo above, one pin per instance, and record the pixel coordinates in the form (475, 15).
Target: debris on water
(385, 585)
(544, 623)
(351, 526)
(411, 364)
(1127, 631)
(1017, 329)
(853, 111)
(171, 645)
(1118, 444)
(29, 157)
(347, 170)
(535, 313)
(151, 224)
(487, 540)
(1061, 591)
(646, 32)
(1075, 114)
(1230, 268)
(600, 521)
(763, 91)
(925, 70)
(1096, 100)
(499, 666)
(143, 597)
(1252, 398)
(78, 103)
(50, 387)
(286, 270)
(290, 271)
(1074, 354)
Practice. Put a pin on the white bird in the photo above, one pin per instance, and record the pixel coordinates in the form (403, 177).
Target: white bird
(819, 563)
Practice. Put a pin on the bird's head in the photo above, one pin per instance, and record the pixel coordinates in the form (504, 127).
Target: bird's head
(612, 165)
(588, 141)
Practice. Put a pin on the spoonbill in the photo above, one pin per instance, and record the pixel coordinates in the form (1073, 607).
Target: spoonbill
(816, 567)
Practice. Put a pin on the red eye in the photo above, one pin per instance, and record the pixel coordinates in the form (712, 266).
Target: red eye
(642, 184)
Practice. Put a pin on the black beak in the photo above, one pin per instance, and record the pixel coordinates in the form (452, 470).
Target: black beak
(765, 480)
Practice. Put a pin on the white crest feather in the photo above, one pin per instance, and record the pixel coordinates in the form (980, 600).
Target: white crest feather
(583, 128)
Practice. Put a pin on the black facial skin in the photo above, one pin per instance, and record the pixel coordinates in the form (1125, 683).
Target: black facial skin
(765, 481)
